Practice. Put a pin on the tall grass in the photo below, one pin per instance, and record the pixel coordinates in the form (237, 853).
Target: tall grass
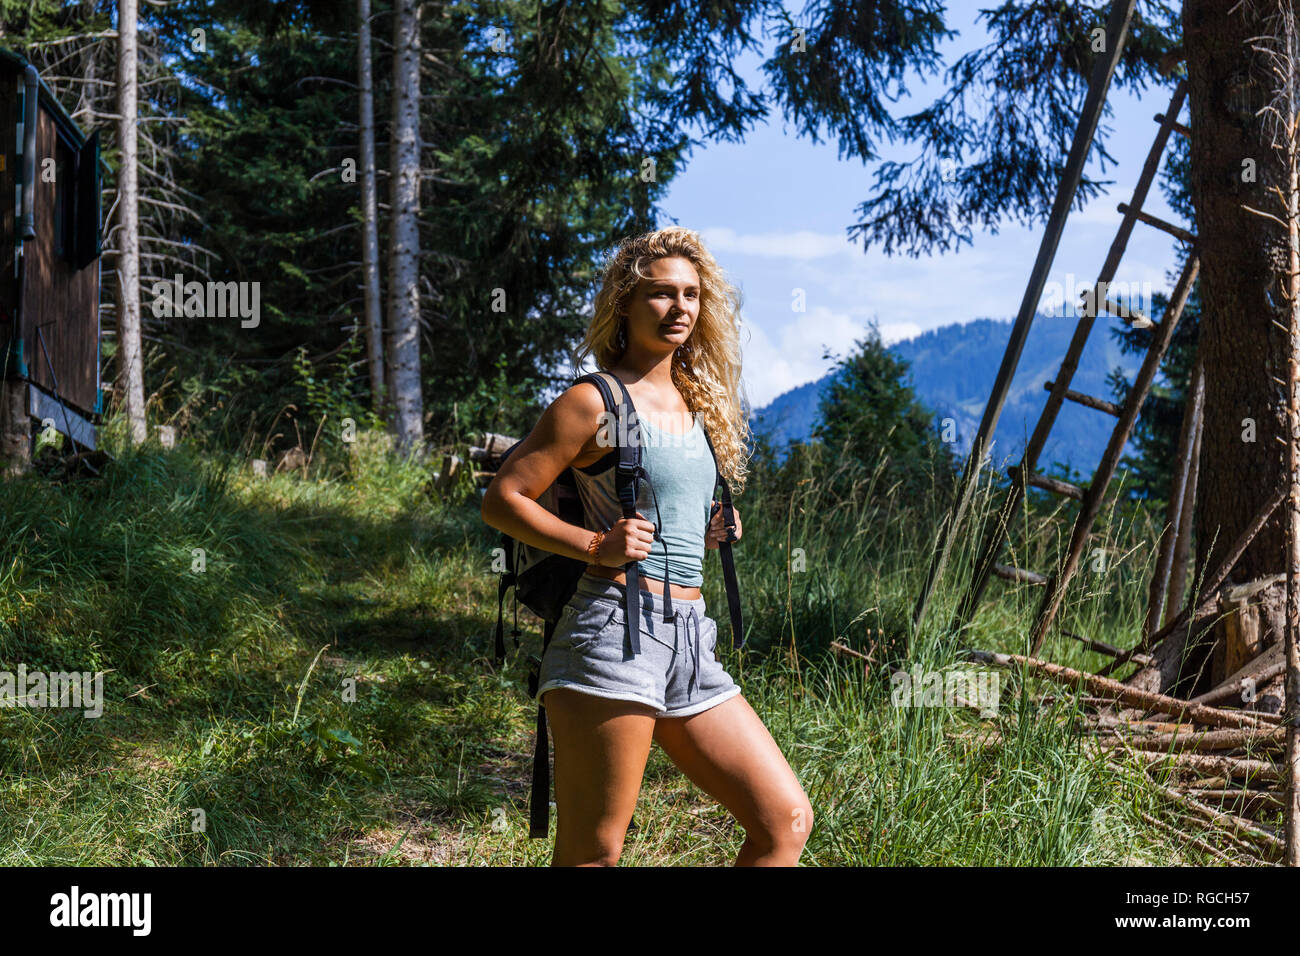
(315, 684)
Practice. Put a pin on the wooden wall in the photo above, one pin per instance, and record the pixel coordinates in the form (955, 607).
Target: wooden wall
(10, 84)
(62, 301)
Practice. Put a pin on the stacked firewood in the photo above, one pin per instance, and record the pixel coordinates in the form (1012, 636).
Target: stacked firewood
(486, 459)
(1213, 760)
(1221, 755)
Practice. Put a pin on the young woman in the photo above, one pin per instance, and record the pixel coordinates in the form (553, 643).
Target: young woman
(666, 324)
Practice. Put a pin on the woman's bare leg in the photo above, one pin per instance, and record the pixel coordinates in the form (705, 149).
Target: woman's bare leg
(601, 747)
(728, 753)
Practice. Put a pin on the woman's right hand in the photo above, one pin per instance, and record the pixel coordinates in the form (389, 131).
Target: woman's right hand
(628, 540)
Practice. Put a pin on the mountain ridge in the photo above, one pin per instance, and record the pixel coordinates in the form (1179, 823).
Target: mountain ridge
(952, 369)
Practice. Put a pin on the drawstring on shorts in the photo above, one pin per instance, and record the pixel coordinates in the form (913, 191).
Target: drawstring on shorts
(682, 626)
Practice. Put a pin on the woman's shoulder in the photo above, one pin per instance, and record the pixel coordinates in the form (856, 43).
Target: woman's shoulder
(581, 401)
(583, 395)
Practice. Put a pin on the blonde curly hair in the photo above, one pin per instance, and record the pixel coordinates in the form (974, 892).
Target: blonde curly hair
(706, 367)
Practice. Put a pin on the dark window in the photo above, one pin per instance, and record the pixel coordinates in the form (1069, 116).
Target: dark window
(64, 185)
(86, 217)
(76, 213)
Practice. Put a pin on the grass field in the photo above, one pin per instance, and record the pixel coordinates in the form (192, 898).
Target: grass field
(314, 684)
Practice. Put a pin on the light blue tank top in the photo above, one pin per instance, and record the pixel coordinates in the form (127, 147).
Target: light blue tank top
(683, 474)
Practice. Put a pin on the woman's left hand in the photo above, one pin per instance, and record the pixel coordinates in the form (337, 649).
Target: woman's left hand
(716, 533)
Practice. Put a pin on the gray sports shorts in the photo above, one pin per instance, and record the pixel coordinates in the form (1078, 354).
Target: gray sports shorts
(676, 672)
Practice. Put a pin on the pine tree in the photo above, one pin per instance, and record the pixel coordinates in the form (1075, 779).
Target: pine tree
(370, 213)
(130, 356)
(403, 361)
(870, 412)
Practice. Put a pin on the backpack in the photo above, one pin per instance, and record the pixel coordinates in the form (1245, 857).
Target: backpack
(544, 581)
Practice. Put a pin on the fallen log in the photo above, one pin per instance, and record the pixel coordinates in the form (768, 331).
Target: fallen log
(1170, 644)
(1202, 763)
(1233, 688)
(1250, 796)
(1239, 824)
(494, 447)
(1178, 627)
(1104, 687)
(1209, 740)
(1110, 723)
(1188, 838)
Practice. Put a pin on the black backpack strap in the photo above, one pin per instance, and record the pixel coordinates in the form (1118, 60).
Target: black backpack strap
(729, 566)
(627, 478)
(626, 481)
(600, 380)
(502, 585)
(724, 552)
(539, 804)
(507, 580)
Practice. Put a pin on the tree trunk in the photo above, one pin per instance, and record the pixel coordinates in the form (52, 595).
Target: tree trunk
(1284, 116)
(404, 240)
(370, 216)
(15, 428)
(1183, 543)
(1243, 337)
(130, 369)
(1293, 516)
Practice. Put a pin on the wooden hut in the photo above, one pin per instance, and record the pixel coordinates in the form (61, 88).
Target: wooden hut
(49, 266)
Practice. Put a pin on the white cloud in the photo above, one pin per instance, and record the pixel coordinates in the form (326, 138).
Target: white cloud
(892, 332)
(845, 289)
(791, 354)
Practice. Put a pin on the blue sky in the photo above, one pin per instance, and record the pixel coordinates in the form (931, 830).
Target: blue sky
(774, 209)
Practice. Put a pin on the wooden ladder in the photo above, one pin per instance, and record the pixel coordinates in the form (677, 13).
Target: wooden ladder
(1024, 475)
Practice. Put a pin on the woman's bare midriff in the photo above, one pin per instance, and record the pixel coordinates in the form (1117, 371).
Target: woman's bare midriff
(653, 585)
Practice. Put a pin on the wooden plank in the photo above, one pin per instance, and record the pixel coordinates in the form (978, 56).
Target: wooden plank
(1006, 572)
(1051, 602)
(1178, 232)
(10, 83)
(1179, 128)
(1057, 487)
(1103, 68)
(65, 419)
(1100, 404)
(997, 533)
